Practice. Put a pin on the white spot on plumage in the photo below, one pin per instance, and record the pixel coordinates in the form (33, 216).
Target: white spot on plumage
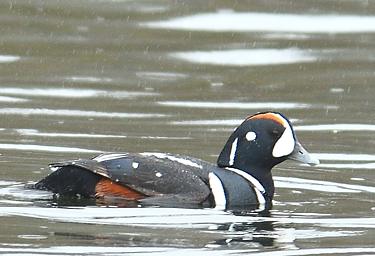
(217, 191)
(53, 169)
(158, 174)
(250, 136)
(135, 165)
(233, 152)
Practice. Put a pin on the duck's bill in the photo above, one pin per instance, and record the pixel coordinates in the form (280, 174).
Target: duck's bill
(301, 155)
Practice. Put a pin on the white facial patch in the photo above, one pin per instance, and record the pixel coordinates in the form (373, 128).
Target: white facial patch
(233, 152)
(285, 145)
(250, 136)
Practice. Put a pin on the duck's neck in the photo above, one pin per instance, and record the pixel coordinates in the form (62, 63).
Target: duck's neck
(264, 177)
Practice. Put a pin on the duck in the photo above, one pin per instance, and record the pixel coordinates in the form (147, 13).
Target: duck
(240, 179)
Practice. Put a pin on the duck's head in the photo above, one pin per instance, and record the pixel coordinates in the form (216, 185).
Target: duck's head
(262, 141)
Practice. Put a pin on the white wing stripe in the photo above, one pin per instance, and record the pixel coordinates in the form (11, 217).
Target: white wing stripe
(106, 157)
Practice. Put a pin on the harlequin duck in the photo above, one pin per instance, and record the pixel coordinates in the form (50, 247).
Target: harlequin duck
(241, 178)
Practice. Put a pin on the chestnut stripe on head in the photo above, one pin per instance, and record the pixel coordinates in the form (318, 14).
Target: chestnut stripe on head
(269, 116)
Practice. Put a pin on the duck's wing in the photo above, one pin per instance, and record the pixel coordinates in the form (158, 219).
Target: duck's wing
(158, 175)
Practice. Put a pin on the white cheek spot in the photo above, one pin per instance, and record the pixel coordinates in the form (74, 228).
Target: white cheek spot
(135, 165)
(158, 174)
(250, 136)
(285, 145)
(233, 152)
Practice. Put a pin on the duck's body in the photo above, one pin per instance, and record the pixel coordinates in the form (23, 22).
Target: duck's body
(241, 179)
(156, 178)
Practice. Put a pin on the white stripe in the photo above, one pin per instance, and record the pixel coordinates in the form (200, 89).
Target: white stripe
(258, 188)
(217, 191)
(233, 152)
(285, 144)
(173, 158)
(106, 157)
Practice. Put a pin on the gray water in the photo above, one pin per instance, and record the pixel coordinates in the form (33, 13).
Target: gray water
(82, 77)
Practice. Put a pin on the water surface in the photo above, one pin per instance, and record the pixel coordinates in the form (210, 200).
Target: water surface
(79, 78)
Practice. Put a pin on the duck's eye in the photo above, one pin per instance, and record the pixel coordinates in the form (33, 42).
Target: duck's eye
(250, 136)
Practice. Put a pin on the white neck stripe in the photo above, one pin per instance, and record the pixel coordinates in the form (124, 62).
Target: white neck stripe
(233, 152)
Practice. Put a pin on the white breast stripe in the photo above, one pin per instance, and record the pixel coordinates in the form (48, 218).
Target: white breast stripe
(258, 188)
(233, 152)
(217, 191)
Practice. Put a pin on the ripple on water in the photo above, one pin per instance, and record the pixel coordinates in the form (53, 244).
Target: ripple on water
(12, 99)
(73, 93)
(161, 76)
(319, 185)
(21, 195)
(33, 147)
(75, 113)
(357, 161)
(268, 22)
(166, 217)
(235, 105)
(9, 58)
(36, 133)
(247, 57)
(336, 127)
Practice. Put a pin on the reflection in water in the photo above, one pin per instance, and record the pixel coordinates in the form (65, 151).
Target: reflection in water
(236, 105)
(72, 93)
(12, 99)
(336, 127)
(161, 76)
(89, 79)
(9, 58)
(31, 147)
(76, 113)
(244, 57)
(319, 185)
(247, 235)
(219, 229)
(34, 132)
(269, 22)
(247, 231)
